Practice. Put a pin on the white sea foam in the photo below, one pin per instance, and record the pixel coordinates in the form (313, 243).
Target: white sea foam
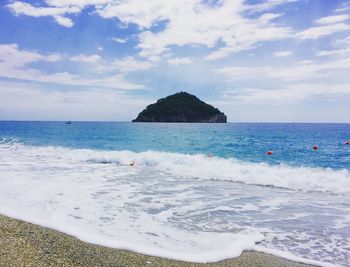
(215, 168)
(178, 206)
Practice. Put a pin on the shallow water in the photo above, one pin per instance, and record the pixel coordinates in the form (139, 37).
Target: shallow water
(183, 204)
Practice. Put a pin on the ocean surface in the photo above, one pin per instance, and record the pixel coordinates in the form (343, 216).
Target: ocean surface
(195, 192)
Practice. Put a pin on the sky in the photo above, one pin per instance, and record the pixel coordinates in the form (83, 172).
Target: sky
(105, 60)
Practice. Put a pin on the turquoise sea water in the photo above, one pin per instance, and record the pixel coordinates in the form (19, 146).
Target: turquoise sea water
(196, 192)
(291, 143)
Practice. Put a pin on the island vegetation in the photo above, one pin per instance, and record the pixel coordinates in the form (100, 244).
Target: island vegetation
(181, 107)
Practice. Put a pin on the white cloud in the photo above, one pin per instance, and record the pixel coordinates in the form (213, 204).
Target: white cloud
(63, 21)
(57, 9)
(248, 35)
(299, 71)
(329, 25)
(187, 22)
(269, 4)
(120, 40)
(117, 81)
(64, 78)
(22, 8)
(289, 94)
(341, 47)
(142, 13)
(345, 42)
(336, 52)
(179, 61)
(282, 53)
(93, 59)
(14, 64)
(190, 22)
(333, 19)
(125, 65)
(321, 31)
(15, 58)
(343, 9)
(237, 73)
(23, 101)
(77, 3)
(195, 23)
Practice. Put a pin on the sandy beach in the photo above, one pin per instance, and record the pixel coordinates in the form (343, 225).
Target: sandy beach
(25, 244)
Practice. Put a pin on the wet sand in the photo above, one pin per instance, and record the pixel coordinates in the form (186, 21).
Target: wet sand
(26, 244)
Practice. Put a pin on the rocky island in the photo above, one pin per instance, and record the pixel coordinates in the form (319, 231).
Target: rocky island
(181, 107)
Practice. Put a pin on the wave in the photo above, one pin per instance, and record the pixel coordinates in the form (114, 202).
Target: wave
(206, 167)
(216, 168)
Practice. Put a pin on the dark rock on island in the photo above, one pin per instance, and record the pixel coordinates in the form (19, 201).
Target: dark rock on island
(181, 107)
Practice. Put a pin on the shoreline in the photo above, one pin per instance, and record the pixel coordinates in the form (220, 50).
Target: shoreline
(27, 244)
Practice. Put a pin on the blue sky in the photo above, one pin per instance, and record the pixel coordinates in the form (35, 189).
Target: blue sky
(257, 60)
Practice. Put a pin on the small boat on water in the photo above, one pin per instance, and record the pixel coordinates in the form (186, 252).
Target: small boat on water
(68, 122)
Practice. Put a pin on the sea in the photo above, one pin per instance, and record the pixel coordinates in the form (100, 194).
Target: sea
(192, 192)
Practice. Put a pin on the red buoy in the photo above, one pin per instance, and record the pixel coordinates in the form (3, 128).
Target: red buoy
(269, 152)
(347, 142)
(315, 147)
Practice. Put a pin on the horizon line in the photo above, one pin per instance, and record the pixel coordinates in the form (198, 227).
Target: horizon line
(112, 121)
